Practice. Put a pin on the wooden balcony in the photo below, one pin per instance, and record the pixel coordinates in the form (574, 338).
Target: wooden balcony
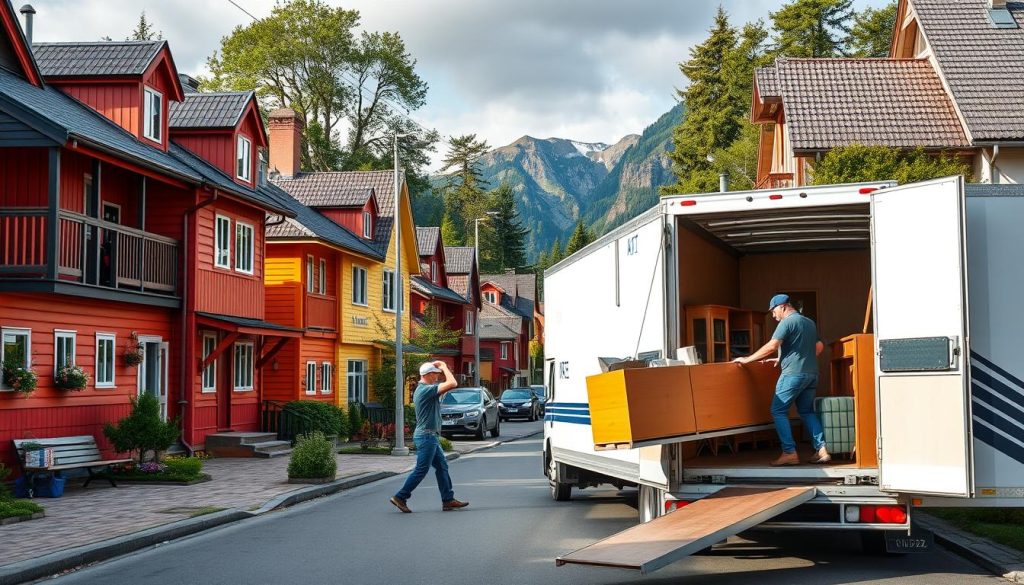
(776, 181)
(321, 312)
(86, 251)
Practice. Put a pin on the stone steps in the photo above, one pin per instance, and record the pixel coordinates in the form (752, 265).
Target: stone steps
(238, 444)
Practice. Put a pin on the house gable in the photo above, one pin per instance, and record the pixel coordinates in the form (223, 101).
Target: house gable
(15, 55)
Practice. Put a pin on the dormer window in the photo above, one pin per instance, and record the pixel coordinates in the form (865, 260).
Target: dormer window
(243, 156)
(261, 166)
(153, 124)
(490, 296)
(367, 225)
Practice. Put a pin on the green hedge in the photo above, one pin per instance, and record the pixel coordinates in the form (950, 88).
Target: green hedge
(312, 457)
(326, 418)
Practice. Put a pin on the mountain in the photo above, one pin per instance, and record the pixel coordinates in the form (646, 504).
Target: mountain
(558, 181)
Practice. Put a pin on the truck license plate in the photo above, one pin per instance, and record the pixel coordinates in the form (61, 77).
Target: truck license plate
(918, 540)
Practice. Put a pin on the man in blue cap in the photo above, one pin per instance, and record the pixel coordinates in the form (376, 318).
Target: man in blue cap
(796, 340)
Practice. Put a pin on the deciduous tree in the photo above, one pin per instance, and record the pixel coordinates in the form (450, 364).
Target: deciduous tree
(858, 163)
(871, 33)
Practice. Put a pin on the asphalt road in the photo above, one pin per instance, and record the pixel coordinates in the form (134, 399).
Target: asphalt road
(511, 533)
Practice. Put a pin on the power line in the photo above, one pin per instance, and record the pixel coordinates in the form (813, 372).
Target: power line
(236, 5)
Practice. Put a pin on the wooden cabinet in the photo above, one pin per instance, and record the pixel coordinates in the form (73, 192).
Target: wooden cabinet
(853, 374)
(721, 334)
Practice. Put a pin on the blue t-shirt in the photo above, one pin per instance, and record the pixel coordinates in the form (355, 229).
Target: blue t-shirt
(428, 409)
(799, 337)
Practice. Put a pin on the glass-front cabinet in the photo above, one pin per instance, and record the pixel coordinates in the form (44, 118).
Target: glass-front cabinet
(721, 334)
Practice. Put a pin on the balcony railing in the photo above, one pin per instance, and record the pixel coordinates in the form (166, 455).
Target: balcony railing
(321, 312)
(776, 181)
(89, 250)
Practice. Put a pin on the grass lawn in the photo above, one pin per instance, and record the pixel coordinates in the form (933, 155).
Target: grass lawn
(10, 507)
(1003, 525)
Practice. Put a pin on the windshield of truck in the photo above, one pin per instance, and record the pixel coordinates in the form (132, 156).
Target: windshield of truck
(515, 395)
(461, 397)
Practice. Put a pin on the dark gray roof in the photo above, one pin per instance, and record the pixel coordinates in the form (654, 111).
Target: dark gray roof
(221, 180)
(458, 259)
(247, 322)
(313, 189)
(102, 58)
(76, 120)
(521, 290)
(209, 110)
(428, 288)
(890, 102)
(310, 224)
(426, 240)
(767, 82)
(983, 65)
(496, 322)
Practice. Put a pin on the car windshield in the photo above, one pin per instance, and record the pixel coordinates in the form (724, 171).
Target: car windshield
(516, 394)
(461, 397)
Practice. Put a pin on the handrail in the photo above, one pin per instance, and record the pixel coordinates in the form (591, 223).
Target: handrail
(64, 214)
(275, 418)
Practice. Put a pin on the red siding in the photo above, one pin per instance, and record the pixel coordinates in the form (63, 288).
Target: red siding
(282, 304)
(73, 168)
(160, 77)
(246, 298)
(165, 208)
(51, 412)
(216, 148)
(352, 218)
(121, 188)
(319, 351)
(224, 408)
(282, 384)
(120, 102)
(24, 177)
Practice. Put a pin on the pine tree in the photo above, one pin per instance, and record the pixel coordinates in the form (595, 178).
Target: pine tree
(507, 235)
(450, 234)
(144, 31)
(712, 118)
(581, 236)
(556, 255)
(464, 198)
(871, 34)
(812, 28)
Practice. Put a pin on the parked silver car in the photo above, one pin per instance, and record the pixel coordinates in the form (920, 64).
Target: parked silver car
(470, 411)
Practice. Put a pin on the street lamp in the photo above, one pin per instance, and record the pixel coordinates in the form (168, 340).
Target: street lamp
(399, 448)
(476, 325)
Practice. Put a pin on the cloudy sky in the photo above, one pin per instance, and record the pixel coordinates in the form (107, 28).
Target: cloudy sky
(592, 70)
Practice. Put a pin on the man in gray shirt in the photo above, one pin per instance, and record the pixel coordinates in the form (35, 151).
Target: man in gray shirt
(435, 380)
(796, 340)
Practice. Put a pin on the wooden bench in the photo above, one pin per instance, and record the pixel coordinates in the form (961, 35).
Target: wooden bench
(79, 452)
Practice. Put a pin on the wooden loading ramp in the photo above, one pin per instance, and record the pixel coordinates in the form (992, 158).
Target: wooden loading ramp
(649, 547)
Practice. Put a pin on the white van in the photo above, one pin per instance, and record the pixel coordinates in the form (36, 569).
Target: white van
(931, 272)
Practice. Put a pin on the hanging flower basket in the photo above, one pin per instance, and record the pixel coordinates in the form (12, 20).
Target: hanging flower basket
(21, 380)
(133, 353)
(71, 378)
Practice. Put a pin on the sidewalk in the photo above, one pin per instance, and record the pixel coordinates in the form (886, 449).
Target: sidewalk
(83, 521)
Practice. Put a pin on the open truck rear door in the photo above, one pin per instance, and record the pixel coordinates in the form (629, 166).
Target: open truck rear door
(920, 314)
(652, 545)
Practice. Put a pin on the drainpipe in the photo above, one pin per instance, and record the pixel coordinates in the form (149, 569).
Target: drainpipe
(992, 164)
(723, 182)
(185, 334)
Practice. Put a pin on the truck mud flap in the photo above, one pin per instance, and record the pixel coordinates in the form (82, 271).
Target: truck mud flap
(649, 547)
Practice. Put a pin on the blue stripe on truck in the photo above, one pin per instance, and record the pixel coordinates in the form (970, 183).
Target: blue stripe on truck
(578, 419)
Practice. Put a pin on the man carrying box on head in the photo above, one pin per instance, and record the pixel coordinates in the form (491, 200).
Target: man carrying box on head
(796, 340)
(435, 380)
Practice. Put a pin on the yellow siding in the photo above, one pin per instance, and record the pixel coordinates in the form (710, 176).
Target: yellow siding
(280, 270)
(348, 351)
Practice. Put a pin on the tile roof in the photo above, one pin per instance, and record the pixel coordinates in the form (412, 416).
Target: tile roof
(426, 240)
(458, 259)
(521, 288)
(428, 288)
(460, 284)
(890, 102)
(983, 65)
(96, 58)
(309, 224)
(767, 82)
(313, 189)
(499, 323)
(209, 110)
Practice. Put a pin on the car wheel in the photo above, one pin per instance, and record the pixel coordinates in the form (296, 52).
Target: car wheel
(496, 431)
(560, 492)
(481, 431)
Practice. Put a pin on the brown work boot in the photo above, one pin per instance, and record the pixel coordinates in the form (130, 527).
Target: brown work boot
(821, 456)
(787, 459)
(400, 504)
(453, 505)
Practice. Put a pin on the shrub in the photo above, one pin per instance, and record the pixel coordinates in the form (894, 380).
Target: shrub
(313, 457)
(446, 445)
(142, 430)
(355, 419)
(857, 163)
(71, 377)
(410, 419)
(5, 491)
(187, 466)
(325, 418)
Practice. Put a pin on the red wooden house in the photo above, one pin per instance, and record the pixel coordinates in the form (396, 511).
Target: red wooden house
(429, 290)
(463, 279)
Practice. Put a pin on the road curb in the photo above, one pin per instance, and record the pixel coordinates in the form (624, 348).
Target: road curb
(305, 494)
(1002, 561)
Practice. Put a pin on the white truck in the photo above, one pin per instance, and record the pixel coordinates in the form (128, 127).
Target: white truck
(937, 263)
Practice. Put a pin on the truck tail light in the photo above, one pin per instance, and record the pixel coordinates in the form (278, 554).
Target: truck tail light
(867, 190)
(876, 514)
(673, 505)
(775, 197)
(688, 202)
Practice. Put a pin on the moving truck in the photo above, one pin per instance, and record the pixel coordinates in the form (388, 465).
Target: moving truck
(916, 293)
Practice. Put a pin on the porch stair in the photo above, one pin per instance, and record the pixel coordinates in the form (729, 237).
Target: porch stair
(240, 444)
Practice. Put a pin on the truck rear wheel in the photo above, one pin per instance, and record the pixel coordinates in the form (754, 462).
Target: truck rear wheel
(560, 492)
(649, 503)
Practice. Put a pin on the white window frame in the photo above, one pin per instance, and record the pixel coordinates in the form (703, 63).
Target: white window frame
(245, 257)
(210, 371)
(310, 377)
(359, 379)
(261, 166)
(433, 272)
(28, 348)
(310, 276)
(326, 377)
(387, 291)
(470, 318)
(504, 350)
(243, 350)
(491, 296)
(111, 355)
(321, 278)
(150, 131)
(359, 285)
(222, 254)
(243, 158)
(66, 335)
(367, 225)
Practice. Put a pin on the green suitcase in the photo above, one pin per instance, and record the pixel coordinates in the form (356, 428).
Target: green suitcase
(837, 420)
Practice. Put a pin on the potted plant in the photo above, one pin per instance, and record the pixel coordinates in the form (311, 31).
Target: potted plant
(19, 378)
(71, 377)
(133, 353)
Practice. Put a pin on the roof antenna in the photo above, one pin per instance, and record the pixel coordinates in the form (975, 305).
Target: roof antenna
(29, 12)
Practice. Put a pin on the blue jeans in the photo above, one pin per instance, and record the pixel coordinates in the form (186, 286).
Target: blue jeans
(428, 452)
(799, 388)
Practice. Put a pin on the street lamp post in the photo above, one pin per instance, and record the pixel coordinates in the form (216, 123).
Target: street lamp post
(399, 448)
(476, 325)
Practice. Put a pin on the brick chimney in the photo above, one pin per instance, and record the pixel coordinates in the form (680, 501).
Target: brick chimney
(285, 141)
